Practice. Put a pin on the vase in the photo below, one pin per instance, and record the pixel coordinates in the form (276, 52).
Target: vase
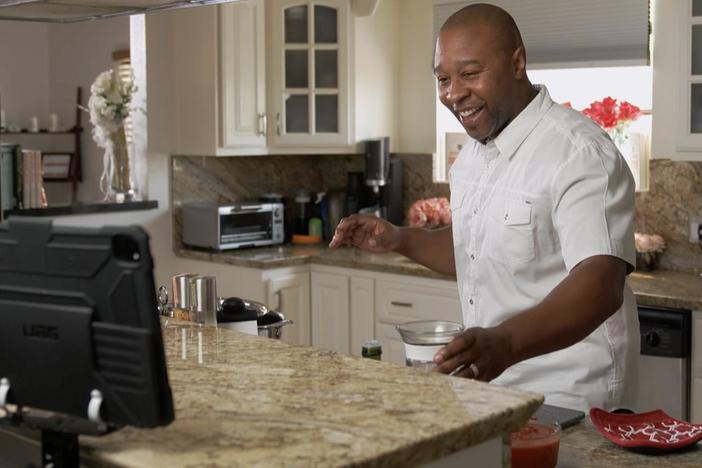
(116, 182)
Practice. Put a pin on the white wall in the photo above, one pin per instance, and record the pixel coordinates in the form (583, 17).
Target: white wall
(41, 65)
(24, 71)
(416, 111)
(78, 52)
(376, 73)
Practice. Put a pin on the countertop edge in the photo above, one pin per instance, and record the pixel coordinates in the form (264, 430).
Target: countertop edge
(643, 297)
(411, 268)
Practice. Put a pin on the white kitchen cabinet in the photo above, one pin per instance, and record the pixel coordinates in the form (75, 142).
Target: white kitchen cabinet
(362, 311)
(309, 79)
(677, 80)
(219, 79)
(406, 298)
(242, 75)
(330, 311)
(374, 304)
(343, 315)
(288, 291)
(696, 369)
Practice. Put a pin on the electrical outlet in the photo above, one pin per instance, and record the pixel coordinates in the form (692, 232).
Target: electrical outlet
(695, 230)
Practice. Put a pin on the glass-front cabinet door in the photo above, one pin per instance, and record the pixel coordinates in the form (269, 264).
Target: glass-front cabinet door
(309, 59)
(690, 138)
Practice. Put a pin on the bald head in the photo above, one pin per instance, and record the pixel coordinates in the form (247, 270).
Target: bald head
(498, 21)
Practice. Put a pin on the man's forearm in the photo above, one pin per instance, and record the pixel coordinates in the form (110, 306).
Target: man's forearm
(431, 248)
(578, 305)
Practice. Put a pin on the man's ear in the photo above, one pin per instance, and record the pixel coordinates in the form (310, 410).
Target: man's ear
(519, 63)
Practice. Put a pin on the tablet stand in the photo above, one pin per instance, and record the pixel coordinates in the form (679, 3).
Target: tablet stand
(59, 433)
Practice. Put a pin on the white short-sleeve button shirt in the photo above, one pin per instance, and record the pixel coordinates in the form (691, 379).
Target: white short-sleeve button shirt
(550, 191)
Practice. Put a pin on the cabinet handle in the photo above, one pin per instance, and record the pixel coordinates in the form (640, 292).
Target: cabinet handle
(262, 124)
(277, 123)
(276, 295)
(401, 304)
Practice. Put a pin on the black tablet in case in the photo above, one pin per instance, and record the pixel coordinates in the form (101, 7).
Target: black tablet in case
(78, 321)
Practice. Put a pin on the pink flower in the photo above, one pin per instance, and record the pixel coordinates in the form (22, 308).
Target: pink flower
(430, 212)
(648, 242)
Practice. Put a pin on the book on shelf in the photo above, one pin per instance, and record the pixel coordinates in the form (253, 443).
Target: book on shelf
(32, 180)
(7, 177)
(21, 179)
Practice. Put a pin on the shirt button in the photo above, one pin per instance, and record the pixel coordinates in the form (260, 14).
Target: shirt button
(472, 256)
(475, 210)
(470, 301)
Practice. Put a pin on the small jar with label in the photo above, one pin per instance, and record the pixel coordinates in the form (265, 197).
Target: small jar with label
(372, 350)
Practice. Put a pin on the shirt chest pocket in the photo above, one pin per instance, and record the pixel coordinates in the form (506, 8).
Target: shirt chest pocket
(510, 232)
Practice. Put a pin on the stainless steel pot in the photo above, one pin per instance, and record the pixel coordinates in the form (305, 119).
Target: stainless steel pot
(269, 322)
(274, 329)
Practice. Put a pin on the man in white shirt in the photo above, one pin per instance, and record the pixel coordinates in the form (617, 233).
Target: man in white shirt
(542, 228)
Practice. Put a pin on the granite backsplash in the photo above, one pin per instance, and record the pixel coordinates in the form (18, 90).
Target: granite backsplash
(674, 196)
(675, 192)
(202, 178)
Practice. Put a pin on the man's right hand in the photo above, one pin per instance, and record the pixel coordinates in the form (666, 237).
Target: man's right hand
(367, 233)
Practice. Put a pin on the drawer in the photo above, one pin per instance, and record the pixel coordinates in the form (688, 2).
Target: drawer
(397, 302)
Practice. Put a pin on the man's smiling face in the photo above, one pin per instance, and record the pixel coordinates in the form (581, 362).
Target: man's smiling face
(476, 78)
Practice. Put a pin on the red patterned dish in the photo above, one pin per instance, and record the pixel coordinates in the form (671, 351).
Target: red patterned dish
(654, 429)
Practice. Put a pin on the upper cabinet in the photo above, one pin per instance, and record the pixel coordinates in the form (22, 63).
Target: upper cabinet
(282, 76)
(218, 55)
(677, 80)
(309, 73)
(242, 76)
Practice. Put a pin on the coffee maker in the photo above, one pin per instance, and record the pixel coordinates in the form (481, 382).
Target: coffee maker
(381, 189)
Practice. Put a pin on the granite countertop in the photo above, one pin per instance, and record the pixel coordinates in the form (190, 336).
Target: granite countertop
(667, 288)
(656, 288)
(290, 255)
(250, 401)
(583, 447)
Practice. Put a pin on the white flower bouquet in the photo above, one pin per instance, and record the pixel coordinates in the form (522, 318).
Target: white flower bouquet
(109, 106)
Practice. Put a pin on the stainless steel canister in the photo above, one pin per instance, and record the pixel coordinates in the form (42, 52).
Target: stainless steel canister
(203, 300)
(180, 288)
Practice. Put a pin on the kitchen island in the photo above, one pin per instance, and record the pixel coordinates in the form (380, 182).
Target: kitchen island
(247, 401)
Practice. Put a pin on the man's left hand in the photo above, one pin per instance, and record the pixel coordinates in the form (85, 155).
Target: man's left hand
(482, 351)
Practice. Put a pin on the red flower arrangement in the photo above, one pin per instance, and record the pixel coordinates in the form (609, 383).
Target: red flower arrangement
(609, 113)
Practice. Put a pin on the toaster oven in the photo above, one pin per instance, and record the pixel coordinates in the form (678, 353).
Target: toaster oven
(232, 226)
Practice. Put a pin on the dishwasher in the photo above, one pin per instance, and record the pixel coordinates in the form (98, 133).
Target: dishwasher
(664, 366)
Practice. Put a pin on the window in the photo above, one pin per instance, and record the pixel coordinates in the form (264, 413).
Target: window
(580, 87)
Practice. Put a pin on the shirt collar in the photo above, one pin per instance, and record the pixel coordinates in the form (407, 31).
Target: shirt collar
(514, 134)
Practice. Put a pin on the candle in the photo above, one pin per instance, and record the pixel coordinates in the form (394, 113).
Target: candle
(33, 124)
(53, 122)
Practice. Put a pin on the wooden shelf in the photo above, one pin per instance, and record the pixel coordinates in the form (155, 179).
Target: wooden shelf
(24, 131)
(85, 208)
(75, 173)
